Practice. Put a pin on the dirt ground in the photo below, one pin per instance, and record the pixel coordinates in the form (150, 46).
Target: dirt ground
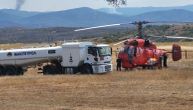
(166, 89)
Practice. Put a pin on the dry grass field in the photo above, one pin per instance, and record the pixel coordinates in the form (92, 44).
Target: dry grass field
(166, 89)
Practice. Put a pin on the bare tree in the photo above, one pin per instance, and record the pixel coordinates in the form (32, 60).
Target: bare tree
(117, 2)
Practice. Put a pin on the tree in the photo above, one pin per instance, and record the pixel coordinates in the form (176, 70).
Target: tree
(117, 2)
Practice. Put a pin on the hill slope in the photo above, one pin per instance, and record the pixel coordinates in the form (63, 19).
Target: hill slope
(169, 15)
(80, 17)
(133, 11)
(13, 18)
(84, 17)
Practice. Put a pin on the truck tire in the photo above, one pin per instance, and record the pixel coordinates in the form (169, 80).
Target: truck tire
(51, 70)
(2, 71)
(19, 71)
(87, 69)
(46, 70)
(10, 71)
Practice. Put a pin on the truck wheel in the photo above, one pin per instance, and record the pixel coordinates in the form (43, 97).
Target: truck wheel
(10, 70)
(51, 70)
(87, 69)
(46, 70)
(19, 71)
(2, 71)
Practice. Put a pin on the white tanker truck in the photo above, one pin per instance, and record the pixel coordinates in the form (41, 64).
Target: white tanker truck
(74, 57)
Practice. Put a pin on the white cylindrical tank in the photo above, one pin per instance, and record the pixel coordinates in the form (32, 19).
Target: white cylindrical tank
(29, 56)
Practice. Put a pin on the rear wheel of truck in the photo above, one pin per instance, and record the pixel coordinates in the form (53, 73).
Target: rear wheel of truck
(19, 71)
(51, 70)
(10, 71)
(46, 70)
(2, 71)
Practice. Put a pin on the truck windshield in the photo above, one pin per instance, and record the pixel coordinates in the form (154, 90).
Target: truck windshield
(104, 51)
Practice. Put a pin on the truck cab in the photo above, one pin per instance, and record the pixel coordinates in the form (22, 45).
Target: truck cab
(86, 57)
(99, 57)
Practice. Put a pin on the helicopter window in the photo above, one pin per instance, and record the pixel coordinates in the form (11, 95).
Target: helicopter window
(51, 51)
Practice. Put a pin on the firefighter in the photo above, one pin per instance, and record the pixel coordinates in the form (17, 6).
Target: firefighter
(165, 57)
(160, 62)
(119, 64)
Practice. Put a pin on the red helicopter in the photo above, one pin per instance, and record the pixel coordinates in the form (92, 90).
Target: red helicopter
(140, 52)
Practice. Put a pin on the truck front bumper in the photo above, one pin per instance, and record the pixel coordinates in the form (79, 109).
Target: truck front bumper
(102, 68)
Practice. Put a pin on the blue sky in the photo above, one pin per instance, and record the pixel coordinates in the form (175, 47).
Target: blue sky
(53, 5)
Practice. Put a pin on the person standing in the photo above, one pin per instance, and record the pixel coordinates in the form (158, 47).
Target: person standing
(119, 64)
(165, 57)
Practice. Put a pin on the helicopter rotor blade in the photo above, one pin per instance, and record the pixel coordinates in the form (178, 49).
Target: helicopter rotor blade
(96, 27)
(152, 36)
(118, 24)
(135, 23)
(174, 22)
(155, 38)
(119, 42)
(172, 37)
(111, 25)
(179, 37)
(141, 22)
